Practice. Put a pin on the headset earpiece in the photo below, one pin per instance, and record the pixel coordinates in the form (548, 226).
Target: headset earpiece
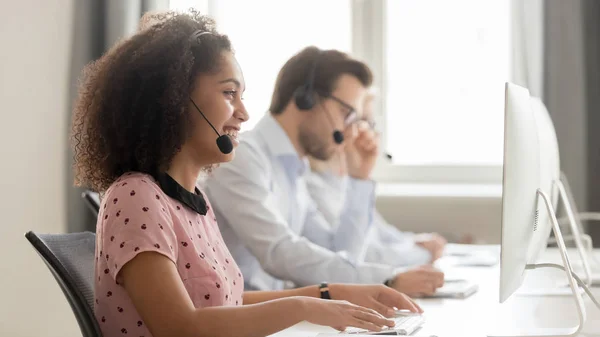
(304, 97)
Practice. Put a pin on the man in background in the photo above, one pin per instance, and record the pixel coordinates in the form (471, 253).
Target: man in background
(327, 184)
(271, 224)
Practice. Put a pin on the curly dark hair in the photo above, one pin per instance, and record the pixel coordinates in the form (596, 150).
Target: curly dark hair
(131, 113)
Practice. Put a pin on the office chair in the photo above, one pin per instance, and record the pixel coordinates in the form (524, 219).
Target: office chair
(92, 199)
(70, 258)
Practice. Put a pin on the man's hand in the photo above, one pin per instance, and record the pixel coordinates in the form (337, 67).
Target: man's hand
(380, 298)
(361, 150)
(433, 242)
(418, 282)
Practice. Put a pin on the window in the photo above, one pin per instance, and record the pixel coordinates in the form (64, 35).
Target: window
(264, 41)
(446, 64)
(184, 5)
(440, 66)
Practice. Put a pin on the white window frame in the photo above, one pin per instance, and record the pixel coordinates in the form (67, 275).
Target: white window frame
(369, 44)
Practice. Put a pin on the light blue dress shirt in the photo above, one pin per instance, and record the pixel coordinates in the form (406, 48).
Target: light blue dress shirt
(386, 243)
(273, 227)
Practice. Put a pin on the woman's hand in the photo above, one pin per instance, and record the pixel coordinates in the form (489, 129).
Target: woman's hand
(342, 314)
(384, 300)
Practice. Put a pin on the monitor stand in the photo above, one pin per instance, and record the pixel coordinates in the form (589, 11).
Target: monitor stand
(565, 196)
(575, 229)
(555, 332)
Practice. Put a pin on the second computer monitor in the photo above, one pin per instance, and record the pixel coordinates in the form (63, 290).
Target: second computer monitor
(520, 181)
(549, 175)
(524, 224)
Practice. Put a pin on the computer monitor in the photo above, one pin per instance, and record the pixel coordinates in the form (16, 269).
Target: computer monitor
(549, 160)
(523, 184)
(559, 190)
(520, 181)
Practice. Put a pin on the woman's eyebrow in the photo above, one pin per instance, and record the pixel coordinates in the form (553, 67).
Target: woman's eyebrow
(237, 83)
(231, 80)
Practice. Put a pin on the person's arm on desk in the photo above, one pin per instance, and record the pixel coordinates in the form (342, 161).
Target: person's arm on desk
(160, 297)
(433, 242)
(260, 226)
(378, 297)
(391, 246)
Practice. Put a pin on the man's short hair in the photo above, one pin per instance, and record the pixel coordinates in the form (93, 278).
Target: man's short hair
(330, 65)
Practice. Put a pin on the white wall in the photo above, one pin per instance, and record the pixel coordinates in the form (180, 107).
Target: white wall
(35, 42)
(452, 210)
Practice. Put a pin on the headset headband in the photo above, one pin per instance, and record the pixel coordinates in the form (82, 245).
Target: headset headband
(195, 37)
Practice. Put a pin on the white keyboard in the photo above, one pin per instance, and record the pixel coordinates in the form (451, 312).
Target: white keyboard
(456, 289)
(406, 324)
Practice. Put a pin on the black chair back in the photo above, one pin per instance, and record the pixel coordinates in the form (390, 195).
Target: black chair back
(92, 199)
(70, 258)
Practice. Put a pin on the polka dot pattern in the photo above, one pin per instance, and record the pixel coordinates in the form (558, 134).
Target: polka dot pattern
(136, 217)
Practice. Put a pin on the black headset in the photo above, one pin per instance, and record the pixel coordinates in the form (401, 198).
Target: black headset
(305, 97)
(224, 143)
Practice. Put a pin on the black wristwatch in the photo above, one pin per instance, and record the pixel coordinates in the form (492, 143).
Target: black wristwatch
(324, 289)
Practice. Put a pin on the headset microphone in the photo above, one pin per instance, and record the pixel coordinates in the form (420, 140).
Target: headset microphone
(304, 97)
(338, 136)
(223, 141)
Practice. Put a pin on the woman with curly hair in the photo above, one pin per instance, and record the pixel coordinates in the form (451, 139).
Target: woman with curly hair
(141, 137)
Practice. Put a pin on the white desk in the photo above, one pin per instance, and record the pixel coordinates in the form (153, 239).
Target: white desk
(481, 313)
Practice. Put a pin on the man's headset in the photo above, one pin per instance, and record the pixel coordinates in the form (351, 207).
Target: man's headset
(305, 97)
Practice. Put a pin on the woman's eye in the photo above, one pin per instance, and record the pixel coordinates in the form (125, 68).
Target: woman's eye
(230, 93)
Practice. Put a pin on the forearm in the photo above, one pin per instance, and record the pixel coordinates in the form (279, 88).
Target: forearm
(406, 254)
(253, 297)
(249, 320)
(355, 219)
(306, 264)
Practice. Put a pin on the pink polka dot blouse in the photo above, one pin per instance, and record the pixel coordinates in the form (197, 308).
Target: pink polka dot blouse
(140, 214)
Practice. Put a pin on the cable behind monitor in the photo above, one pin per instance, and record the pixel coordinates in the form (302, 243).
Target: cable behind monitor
(579, 281)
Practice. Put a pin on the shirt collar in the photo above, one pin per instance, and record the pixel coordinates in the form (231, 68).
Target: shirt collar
(275, 137)
(280, 146)
(171, 187)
